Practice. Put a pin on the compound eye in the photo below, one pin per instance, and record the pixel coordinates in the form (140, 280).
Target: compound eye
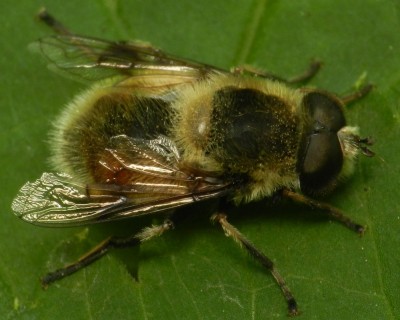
(320, 153)
(324, 109)
(322, 162)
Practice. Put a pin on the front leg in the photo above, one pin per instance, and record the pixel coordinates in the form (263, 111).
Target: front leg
(326, 208)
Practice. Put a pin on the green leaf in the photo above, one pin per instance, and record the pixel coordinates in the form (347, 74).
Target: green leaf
(196, 272)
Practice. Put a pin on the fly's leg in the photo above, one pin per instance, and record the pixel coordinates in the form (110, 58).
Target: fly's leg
(331, 211)
(239, 238)
(52, 22)
(307, 75)
(102, 248)
(357, 95)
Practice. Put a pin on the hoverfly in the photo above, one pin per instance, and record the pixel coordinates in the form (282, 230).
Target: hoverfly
(157, 132)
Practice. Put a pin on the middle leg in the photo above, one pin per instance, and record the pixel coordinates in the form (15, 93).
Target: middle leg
(267, 263)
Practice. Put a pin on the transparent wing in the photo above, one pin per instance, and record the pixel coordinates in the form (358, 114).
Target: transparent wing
(94, 59)
(153, 157)
(149, 180)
